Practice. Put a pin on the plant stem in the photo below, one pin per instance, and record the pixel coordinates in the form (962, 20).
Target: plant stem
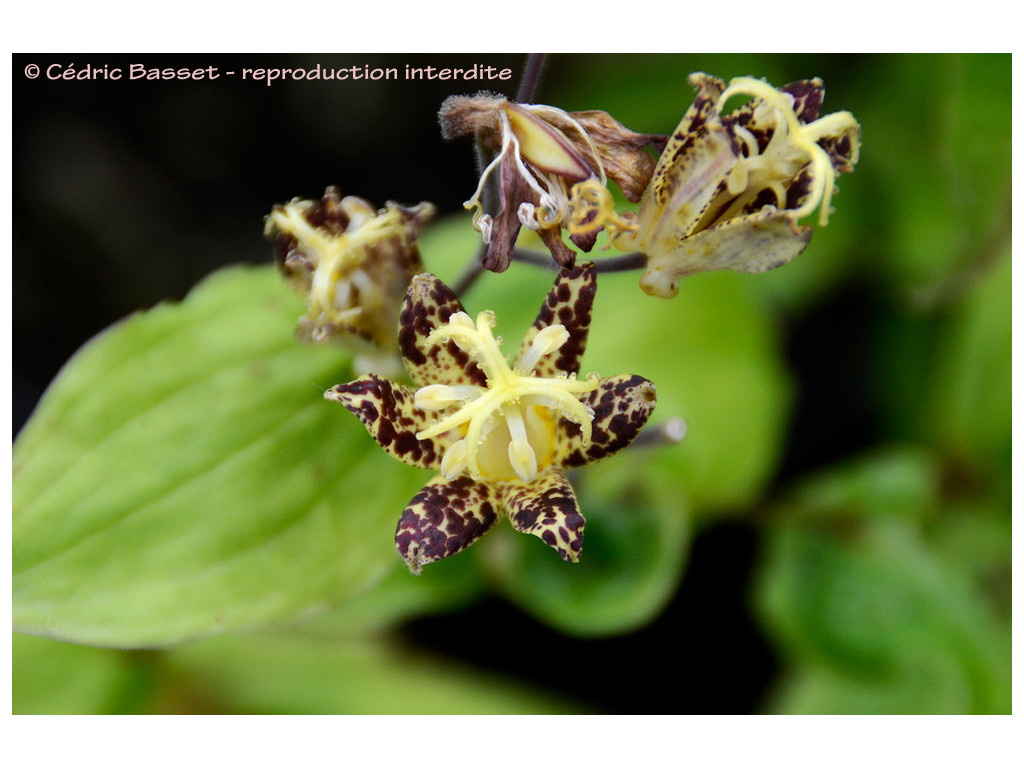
(627, 262)
(531, 77)
(473, 269)
(669, 433)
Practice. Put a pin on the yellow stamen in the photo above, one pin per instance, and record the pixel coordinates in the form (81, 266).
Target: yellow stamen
(792, 148)
(511, 412)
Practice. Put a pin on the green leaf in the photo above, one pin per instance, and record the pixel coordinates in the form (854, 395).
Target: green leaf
(297, 672)
(900, 481)
(446, 585)
(54, 678)
(938, 157)
(877, 621)
(924, 686)
(970, 395)
(183, 476)
(292, 674)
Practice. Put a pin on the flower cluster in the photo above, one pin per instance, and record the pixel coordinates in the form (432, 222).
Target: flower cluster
(727, 191)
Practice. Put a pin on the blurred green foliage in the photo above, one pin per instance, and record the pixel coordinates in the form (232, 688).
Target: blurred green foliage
(183, 490)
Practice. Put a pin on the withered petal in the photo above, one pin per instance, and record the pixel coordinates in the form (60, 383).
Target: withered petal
(621, 150)
(547, 508)
(585, 241)
(445, 517)
(546, 147)
(513, 191)
(472, 115)
(560, 252)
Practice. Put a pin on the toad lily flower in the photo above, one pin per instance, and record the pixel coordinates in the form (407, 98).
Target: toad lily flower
(500, 435)
(729, 190)
(553, 167)
(353, 263)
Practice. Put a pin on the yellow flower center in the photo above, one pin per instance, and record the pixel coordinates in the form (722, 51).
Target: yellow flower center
(509, 426)
(792, 147)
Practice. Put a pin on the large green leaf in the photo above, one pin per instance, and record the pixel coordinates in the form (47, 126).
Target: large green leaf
(894, 481)
(183, 476)
(875, 622)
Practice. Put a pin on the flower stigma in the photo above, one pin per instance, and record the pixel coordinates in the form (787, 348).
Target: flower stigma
(592, 209)
(509, 426)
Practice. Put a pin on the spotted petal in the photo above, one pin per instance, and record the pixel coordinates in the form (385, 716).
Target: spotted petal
(683, 191)
(569, 302)
(429, 303)
(390, 416)
(697, 153)
(621, 405)
(756, 242)
(445, 517)
(547, 508)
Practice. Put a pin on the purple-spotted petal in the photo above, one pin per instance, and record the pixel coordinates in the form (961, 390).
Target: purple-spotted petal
(388, 412)
(621, 405)
(547, 508)
(429, 303)
(445, 517)
(709, 88)
(808, 96)
(570, 302)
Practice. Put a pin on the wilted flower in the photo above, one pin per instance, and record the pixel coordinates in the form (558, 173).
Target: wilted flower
(499, 435)
(352, 263)
(553, 167)
(729, 189)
